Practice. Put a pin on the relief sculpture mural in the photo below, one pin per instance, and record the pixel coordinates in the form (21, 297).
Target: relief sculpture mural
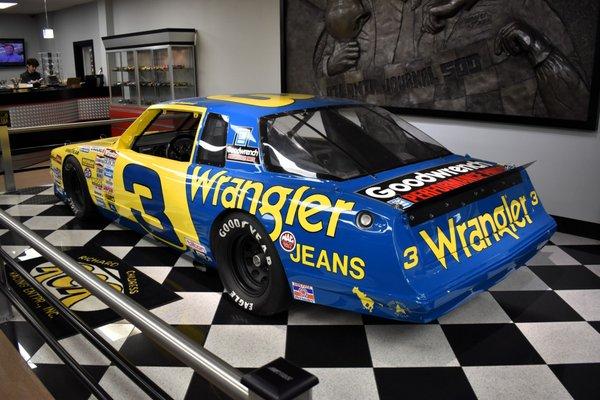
(526, 61)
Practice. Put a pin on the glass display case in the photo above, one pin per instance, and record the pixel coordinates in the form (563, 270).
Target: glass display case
(51, 72)
(151, 74)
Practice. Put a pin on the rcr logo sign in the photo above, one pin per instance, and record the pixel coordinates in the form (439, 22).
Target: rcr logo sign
(69, 292)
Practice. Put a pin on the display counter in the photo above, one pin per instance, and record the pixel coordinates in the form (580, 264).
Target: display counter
(47, 106)
(50, 106)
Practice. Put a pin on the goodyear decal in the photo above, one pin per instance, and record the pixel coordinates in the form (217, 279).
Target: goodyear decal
(313, 212)
(330, 261)
(478, 234)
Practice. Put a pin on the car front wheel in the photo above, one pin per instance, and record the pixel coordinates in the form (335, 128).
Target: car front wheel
(78, 195)
(249, 265)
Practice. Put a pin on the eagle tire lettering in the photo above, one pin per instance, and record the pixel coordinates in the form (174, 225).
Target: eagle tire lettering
(249, 265)
(247, 305)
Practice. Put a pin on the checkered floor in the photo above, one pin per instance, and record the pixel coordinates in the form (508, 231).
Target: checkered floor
(535, 335)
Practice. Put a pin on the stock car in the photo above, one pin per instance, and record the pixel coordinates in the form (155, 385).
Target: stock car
(321, 200)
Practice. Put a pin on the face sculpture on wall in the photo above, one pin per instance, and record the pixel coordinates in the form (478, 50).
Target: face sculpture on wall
(493, 57)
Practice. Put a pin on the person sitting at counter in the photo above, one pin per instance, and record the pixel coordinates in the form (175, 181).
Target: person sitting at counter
(31, 75)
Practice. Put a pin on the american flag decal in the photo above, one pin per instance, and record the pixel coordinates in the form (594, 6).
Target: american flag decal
(303, 292)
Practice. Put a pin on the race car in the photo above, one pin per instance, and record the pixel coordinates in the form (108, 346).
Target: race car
(321, 200)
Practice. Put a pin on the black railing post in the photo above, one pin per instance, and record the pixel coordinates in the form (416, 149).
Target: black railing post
(5, 305)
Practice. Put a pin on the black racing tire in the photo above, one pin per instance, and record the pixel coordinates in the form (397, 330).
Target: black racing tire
(78, 195)
(249, 266)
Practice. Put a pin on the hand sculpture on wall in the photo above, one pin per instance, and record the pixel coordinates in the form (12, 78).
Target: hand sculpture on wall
(560, 86)
(439, 11)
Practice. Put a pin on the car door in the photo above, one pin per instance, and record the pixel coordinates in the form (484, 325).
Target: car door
(149, 188)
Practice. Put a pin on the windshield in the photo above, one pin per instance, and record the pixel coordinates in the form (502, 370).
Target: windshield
(343, 142)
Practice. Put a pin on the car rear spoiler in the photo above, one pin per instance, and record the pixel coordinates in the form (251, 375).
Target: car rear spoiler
(444, 203)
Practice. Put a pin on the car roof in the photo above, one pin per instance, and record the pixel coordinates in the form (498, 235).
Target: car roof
(260, 104)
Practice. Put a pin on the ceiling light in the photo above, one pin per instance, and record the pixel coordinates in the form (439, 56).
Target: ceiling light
(48, 33)
(4, 5)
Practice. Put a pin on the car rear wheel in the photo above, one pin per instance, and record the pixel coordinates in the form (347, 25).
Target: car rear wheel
(78, 195)
(249, 265)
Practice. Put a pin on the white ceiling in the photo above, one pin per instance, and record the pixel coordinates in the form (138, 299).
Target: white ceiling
(37, 6)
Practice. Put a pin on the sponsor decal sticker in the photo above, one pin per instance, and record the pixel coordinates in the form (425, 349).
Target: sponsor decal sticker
(303, 292)
(96, 149)
(243, 154)
(400, 203)
(287, 241)
(87, 162)
(109, 172)
(243, 135)
(110, 153)
(87, 172)
(194, 245)
(423, 185)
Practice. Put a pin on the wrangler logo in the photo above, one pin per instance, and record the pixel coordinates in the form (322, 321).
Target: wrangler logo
(314, 212)
(477, 234)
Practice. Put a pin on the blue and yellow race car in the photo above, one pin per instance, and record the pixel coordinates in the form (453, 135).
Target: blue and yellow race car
(326, 201)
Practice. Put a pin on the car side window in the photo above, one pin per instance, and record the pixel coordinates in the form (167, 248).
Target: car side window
(213, 141)
(169, 135)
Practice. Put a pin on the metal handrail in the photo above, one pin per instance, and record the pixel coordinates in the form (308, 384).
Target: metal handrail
(212, 368)
(9, 174)
(126, 366)
(70, 125)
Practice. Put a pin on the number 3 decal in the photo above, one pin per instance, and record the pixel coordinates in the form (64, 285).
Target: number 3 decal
(134, 174)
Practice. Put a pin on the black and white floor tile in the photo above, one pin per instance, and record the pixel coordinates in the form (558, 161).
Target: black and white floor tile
(536, 335)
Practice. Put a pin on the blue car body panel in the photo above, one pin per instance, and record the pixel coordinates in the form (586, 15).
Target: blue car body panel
(393, 269)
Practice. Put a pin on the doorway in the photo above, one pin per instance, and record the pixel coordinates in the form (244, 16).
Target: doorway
(85, 64)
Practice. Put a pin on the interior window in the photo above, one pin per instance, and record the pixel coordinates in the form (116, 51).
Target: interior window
(170, 135)
(213, 141)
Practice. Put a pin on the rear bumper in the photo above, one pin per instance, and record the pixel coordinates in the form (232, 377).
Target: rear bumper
(424, 309)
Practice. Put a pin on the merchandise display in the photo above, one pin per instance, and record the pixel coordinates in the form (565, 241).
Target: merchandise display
(51, 70)
(320, 200)
(148, 75)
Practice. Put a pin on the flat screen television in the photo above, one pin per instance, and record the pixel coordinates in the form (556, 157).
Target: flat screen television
(12, 52)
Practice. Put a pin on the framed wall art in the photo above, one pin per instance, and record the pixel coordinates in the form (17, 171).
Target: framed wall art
(531, 62)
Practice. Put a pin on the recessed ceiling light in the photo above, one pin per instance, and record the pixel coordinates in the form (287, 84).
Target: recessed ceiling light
(4, 5)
